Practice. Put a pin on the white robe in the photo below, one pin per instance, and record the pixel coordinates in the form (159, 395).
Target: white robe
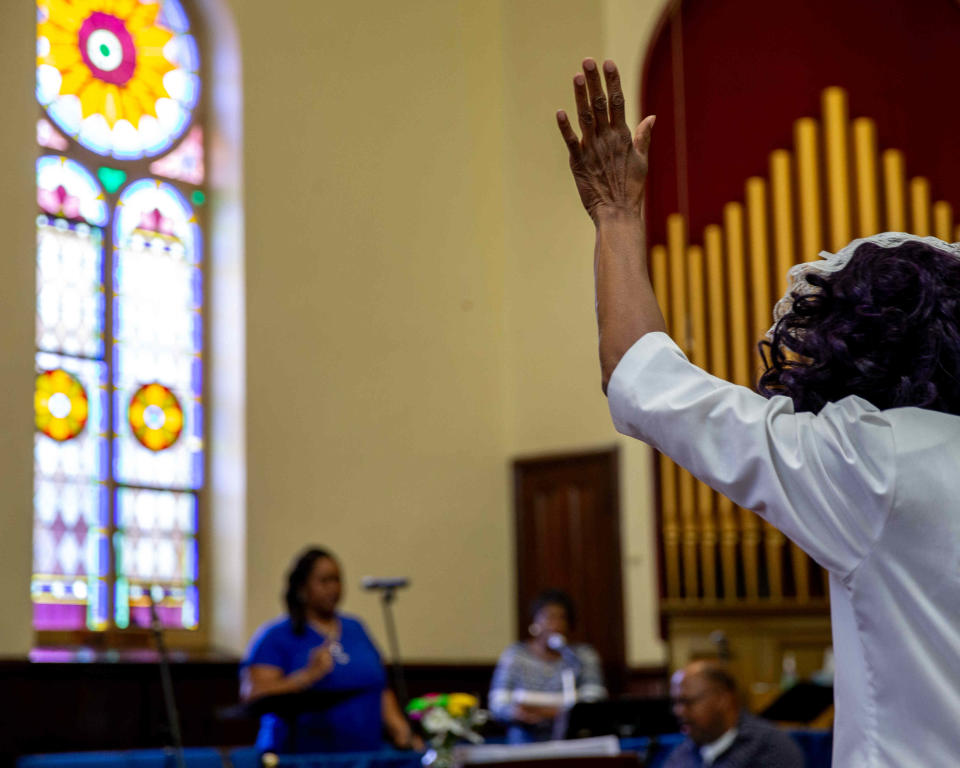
(871, 495)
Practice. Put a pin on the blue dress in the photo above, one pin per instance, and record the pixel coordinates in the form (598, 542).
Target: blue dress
(353, 725)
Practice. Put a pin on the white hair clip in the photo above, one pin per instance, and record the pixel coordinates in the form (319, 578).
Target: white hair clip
(833, 262)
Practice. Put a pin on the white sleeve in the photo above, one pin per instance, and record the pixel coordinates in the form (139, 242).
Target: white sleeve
(825, 480)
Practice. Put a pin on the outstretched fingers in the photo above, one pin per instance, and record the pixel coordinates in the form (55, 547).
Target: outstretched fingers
(615, 93)
(584, 111)
(569, 136)
(598, 99)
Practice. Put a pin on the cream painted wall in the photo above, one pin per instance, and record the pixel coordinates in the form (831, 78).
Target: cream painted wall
(554, 399)
(419, 308)
(375, 302)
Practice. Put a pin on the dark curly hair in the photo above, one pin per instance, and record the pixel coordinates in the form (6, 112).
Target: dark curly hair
(554, 597)
(886, 327)
(296, 579)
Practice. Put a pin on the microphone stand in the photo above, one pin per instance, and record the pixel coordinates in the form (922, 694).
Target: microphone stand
(166, 682)
(387, 596)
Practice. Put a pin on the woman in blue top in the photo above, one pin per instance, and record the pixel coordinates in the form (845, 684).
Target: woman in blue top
(315, 647)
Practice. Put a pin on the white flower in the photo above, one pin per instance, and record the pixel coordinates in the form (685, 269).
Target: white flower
(438, 720)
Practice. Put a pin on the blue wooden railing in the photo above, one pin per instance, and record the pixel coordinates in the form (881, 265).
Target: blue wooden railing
(816, 746)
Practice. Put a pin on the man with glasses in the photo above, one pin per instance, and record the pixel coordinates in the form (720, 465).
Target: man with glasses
(720, 733)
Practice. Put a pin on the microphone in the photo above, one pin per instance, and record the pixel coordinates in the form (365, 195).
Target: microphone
(719, 638)
(558, 643)
(369, 582)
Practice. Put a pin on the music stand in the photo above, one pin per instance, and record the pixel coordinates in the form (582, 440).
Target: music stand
(801, 703)
(623, 718)
(289, 706)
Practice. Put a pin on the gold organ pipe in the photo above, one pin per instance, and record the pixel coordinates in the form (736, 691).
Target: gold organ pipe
(865, 161)
(920, 206)
(704, 496)
(942, 220)
(808, 188)
(667, 469)
(671, 528)
(658, 264)
(698, 308)
(894, 182)
(759, 256)
(749, 544)
(733, 229)
(729, 538)
(689, 533)
(736, 259)
(708, 541)
(838, 182)
(774, 542)
(801, 572)
(716, 280)
(676, 249)
(782, 201)
(679, 329)
(760, 289)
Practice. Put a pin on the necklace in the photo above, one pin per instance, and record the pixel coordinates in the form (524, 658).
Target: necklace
(339, 655)
(332, 637)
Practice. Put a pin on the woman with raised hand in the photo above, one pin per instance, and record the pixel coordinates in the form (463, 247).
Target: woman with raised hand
(852, 447)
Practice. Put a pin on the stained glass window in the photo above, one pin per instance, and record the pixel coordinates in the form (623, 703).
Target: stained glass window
(119, 446)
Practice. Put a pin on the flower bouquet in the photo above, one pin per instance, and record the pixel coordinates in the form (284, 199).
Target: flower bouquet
(447, 718)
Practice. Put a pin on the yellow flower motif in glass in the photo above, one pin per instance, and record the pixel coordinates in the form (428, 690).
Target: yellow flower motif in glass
(60, 404)
(109, 53)
(155, 416)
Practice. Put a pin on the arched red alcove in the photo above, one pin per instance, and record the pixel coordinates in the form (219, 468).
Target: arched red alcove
(728, 78)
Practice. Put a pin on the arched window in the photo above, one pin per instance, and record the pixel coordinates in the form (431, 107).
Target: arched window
(119, 458)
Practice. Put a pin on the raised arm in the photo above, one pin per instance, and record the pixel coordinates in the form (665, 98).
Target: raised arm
(610, 170)
(262, 678)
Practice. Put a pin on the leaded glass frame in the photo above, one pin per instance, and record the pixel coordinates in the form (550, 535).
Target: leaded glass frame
(120, 451)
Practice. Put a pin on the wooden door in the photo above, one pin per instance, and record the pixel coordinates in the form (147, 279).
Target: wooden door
(568, 537)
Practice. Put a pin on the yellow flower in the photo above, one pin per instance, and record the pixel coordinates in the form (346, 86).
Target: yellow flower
(458, 704)
(109, 54)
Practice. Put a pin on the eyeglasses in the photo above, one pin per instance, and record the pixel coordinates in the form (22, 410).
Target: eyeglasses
(689, 701)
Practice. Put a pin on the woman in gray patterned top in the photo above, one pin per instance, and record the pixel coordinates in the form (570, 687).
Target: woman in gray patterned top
(540, 678)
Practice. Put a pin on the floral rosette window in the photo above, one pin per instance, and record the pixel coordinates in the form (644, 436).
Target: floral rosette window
(119, 446)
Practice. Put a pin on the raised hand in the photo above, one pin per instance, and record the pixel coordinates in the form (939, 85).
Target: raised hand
(609, 165)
